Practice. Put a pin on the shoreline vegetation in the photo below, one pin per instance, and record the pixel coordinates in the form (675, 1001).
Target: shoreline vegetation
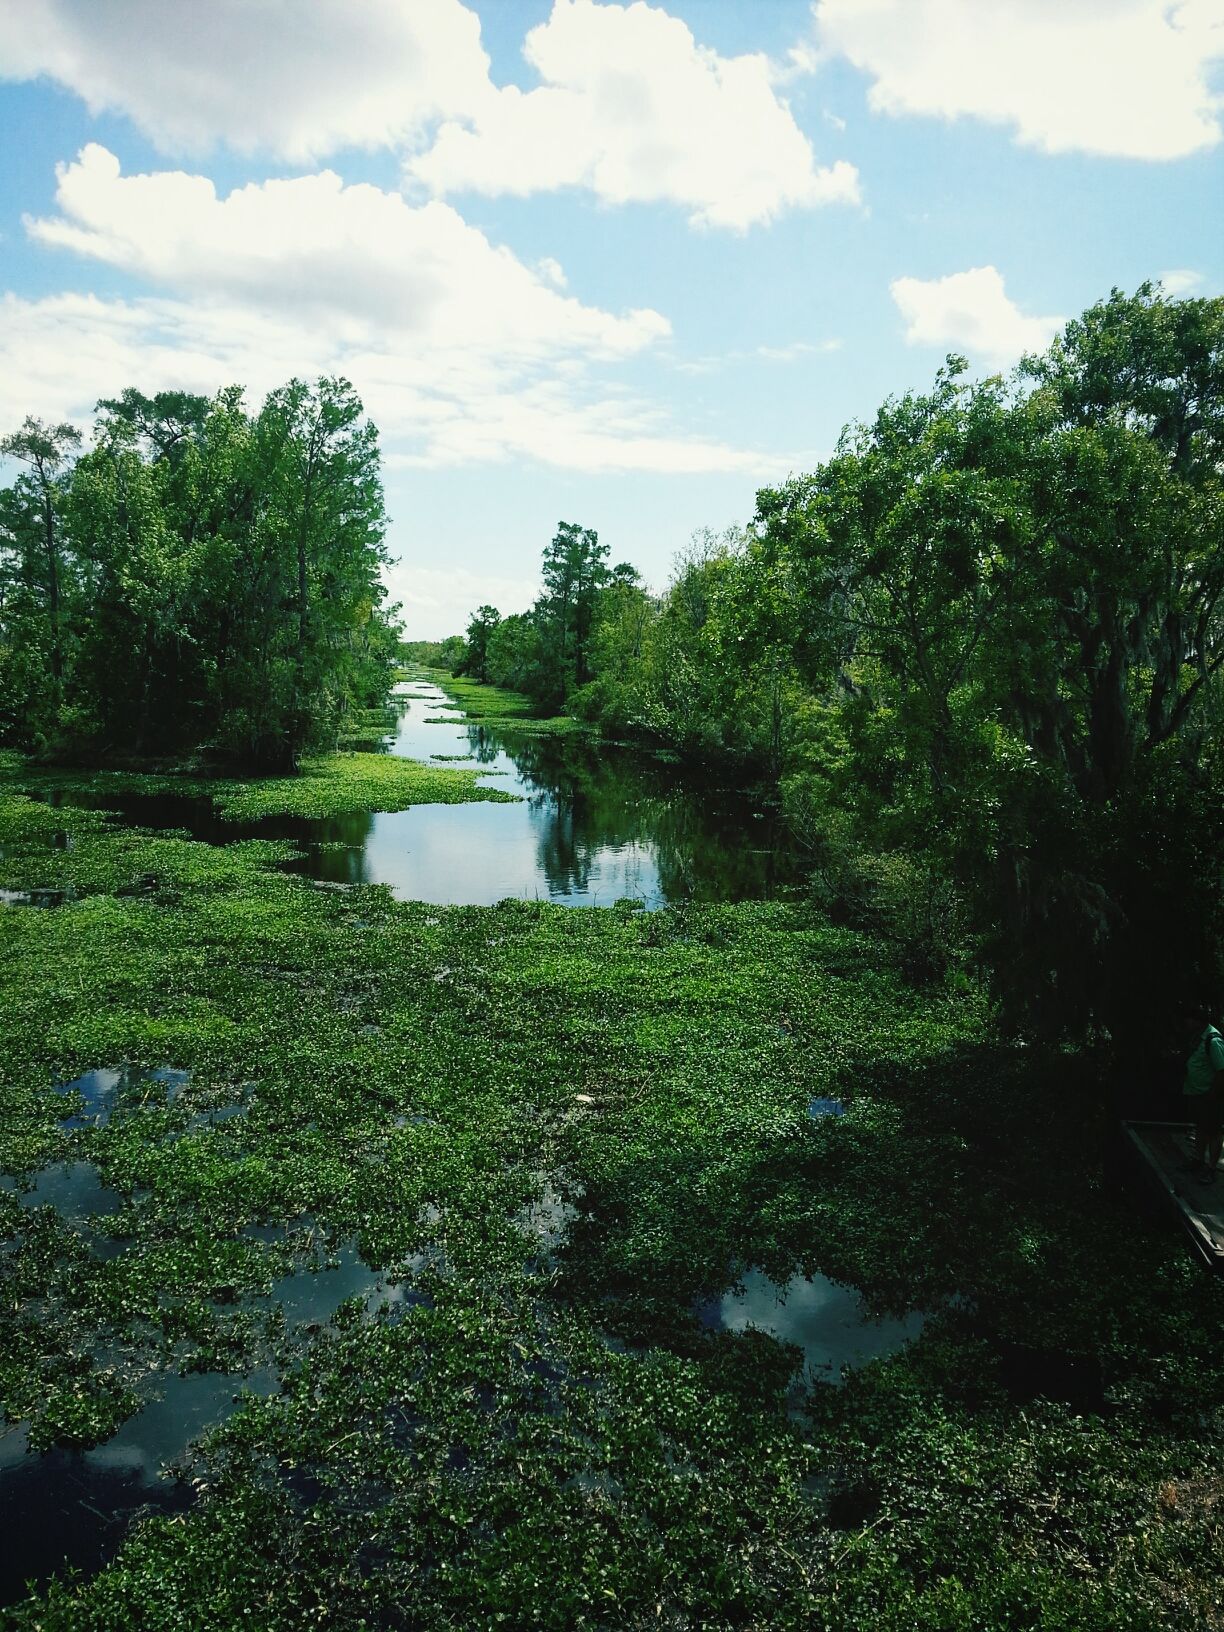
(204, 578)
(978, 655)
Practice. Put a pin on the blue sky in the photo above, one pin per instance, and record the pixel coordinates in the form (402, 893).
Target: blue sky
(619, 265)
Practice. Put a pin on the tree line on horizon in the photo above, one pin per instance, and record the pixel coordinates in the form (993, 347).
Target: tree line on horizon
(204, 579)
(977, 653)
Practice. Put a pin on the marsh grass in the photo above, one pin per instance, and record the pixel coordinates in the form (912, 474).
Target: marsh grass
(506, 709)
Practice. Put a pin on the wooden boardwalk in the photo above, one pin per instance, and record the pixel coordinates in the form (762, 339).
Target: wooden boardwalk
(1167, 1150)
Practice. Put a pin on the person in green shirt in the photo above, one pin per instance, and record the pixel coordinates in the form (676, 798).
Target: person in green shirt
(1204, 1091)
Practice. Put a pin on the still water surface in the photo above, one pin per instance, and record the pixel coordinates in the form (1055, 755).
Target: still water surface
(593, 824)
(827, 1322)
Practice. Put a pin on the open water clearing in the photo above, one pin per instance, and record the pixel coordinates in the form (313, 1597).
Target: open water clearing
(590, 825)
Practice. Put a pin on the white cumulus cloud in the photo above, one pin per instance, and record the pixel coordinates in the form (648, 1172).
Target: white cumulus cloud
(630, 106)
(278, 76)
(461, 352)
(312, 245)
(1129, 78)
(970, 311)
(633, 108)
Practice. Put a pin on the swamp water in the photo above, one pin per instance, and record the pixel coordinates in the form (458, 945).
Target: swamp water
(827, 1322)
(70, 1508)
(594, 824)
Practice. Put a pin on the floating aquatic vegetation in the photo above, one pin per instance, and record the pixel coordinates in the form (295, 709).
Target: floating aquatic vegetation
(331, 785)
(497, 1399)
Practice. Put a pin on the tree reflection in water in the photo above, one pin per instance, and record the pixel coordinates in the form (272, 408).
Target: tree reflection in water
(693, 840)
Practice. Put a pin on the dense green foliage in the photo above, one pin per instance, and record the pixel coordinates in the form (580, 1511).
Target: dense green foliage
(543, 1434)
(552, 652)
(979, 654)
(202, 577)
(434, 654)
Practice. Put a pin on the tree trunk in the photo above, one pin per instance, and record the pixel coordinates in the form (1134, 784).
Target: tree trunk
(53, 592)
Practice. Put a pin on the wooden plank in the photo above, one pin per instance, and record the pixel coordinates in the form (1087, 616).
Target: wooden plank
(1167, 1149)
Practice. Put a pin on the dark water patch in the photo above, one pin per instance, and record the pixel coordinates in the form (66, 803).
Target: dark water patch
(69, 1509)
(64, 1510)
(97, 1089)
(142, 884)
(173, 1077)
(74, 1189)
(851, 1505)
(1029, 1372)
(547, 1218)
(39, 897)
(14, 1446)
(76, 1192)
(310, 1296)
(214, 1117)
(103, 1089)
(182, 1408)
(818, 1108)
(829, 1322)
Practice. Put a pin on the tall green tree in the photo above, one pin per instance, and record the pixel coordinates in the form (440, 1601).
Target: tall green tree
(481, 627)
(574, 570)
(31, 536)
(623, 615)
(320, 527)
(512, 656)
(131, 686)
(202, 578)
(167, 422)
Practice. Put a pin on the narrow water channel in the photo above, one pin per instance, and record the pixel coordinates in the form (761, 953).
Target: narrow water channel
(593, 824)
